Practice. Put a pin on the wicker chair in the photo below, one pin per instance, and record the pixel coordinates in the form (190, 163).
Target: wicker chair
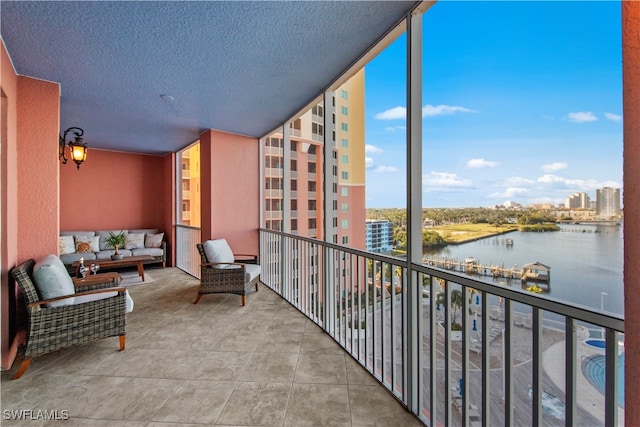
(54, 328)
(221, 273)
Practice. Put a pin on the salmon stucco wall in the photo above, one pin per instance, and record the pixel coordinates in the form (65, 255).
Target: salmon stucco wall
(8, 204)
(30, 176)
(631, 111)
(38, 127)
(113, 190)
(230, 183)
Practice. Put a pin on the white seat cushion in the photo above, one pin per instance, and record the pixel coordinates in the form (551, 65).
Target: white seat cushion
(104, 295)
(251, 271)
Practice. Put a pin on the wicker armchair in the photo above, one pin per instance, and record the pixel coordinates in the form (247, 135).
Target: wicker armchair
(54, 328)
(221, 273)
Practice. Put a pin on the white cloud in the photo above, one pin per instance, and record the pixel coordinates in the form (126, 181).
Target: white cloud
(554, 167)
(428, 110)
(515, 181)
(443, 181)
(395, 128)
(576, 184)
(392, 114)
(481, 164)
(368, 148)
(582, 117)
(442, 110)
(386, 169)
(368, 162)
(509, 193)
(613, 117)
(551, 179)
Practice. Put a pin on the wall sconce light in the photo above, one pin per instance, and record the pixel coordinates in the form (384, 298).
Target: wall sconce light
(77, 148)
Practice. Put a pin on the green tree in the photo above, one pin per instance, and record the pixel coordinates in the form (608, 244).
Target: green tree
(432, 239)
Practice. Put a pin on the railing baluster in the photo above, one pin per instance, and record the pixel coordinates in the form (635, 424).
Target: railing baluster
(508, 364)
(611, 379)
(536, 387)
(465, 358)
(447, 354)
(486, 362)
(570, 372)
(432, 351)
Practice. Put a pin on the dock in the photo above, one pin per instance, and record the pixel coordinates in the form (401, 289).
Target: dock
(472, 267)
(534, 271)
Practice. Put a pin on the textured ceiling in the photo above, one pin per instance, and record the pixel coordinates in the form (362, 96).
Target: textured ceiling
(149, 76)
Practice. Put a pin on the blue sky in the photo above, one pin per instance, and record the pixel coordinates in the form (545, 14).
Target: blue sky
(522, 101)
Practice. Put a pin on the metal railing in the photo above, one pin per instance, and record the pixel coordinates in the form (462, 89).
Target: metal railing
(510, 357)
(187, 256)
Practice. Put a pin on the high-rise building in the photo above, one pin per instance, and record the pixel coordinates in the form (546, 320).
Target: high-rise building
(350, 147)
(379, 236)
(608, 203)
(304, 171)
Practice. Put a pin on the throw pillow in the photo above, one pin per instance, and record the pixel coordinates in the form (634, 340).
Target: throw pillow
(52, 280)
(67, 245)
(87, 243)
(153, 240)
(133, 241)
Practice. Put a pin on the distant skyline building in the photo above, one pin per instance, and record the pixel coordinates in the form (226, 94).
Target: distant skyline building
(608, 203)
(578, 201)
(511, 205)
(379, 235)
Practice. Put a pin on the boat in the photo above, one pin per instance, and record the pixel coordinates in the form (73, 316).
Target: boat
(509, 242)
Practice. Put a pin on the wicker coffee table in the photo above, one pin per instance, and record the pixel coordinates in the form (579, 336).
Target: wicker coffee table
(127, 261)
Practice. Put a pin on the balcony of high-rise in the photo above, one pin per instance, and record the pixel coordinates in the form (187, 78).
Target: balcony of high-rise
(335, 335)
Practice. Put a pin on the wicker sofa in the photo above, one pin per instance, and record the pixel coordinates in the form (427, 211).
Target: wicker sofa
(90, 244)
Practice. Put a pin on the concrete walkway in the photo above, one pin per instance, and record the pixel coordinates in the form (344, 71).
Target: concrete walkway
(587, 396)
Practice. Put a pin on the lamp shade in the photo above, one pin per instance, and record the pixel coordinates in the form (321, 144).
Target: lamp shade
(78, 153)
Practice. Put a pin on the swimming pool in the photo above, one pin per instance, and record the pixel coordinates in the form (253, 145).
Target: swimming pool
(596, 343)
(593, 368)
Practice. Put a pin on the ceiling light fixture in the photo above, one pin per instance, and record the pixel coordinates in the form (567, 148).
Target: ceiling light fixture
(77, 148)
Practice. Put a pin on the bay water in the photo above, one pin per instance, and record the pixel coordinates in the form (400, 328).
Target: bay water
(586, 261)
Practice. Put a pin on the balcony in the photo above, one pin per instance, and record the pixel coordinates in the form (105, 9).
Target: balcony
(517, 358)
(212, 363)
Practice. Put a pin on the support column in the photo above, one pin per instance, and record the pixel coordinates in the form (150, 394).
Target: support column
(631, 112)
(413, 293)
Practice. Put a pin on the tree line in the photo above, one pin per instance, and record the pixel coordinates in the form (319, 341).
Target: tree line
(527, 219)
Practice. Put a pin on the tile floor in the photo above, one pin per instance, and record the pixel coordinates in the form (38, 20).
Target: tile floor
(215, 363)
